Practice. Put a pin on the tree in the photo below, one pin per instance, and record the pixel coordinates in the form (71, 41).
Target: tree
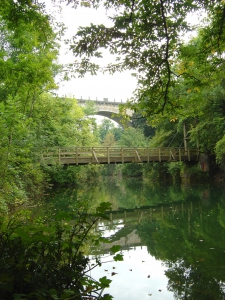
(109, 140)
(133, 137)
(39, 261)
(146, 38)
(31, 118)
(28, 52)
(141, 122)
(105, 127)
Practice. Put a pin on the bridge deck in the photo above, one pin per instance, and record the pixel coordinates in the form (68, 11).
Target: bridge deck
(116, 155)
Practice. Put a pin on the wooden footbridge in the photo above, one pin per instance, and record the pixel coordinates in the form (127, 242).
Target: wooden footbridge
(116, 155)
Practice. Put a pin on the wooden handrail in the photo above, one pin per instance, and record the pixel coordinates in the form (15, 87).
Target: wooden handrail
(107, 155)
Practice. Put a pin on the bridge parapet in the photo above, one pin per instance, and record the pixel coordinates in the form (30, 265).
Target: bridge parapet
(98, 101)
(106, 108)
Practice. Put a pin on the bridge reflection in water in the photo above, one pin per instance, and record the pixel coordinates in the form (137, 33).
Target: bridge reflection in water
(117, 155)
(125, 218)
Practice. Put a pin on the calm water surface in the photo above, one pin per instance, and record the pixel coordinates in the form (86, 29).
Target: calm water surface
(172, 238)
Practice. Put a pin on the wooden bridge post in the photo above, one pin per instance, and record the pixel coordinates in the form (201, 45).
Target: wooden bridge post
(159, 155)
(108, 159)
(122, 156)
(185, 137)
(189, 157)
(76, 156)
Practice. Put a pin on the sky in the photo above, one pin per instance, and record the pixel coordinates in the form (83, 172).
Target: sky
(118, 86)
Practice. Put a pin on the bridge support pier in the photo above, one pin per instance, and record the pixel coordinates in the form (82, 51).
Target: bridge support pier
(204, 162)
(201, 172)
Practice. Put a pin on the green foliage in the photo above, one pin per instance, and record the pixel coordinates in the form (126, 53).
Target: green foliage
(27, 57)
(220, 151)
(109, 140)
(72, 175)
(32, 119)
(43, 258)
(90, 108)
(183, 80)
(146, 38)
(174, 168)
(138, 121)
(131, 170)
(157, 172)
(108, 127)
(133, 137)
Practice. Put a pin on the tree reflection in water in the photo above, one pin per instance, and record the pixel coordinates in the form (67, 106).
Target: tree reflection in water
(192, 246)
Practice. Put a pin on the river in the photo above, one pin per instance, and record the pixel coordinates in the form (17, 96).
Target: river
(172, 238)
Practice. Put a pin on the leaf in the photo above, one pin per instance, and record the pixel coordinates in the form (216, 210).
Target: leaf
(107, 297)
(67, 294)
(105, 282)
(53, 294)
(118, 257)
(103, 207)
(115, 248)
(22, 233)
(62, 215)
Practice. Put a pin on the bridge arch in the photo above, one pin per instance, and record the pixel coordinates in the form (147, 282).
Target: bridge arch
(108, 109)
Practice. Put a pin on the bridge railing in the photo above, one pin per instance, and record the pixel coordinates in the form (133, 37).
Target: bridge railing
(109, 155)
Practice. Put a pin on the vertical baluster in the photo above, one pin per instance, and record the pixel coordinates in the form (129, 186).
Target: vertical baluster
(122, 156)
(76, 156)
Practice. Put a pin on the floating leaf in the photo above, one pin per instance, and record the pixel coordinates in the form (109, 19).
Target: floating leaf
(118, 257)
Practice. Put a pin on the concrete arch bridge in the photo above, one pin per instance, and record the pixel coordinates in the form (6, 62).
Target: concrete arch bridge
(108, 109)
